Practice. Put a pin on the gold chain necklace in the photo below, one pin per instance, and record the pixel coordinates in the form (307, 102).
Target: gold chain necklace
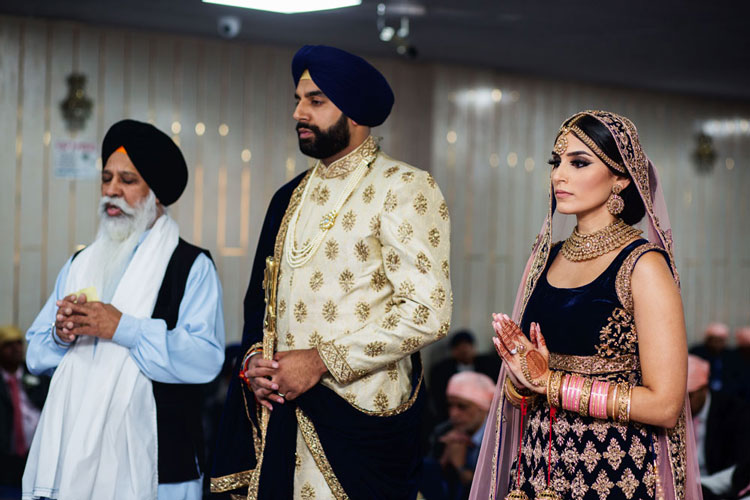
(580, 247)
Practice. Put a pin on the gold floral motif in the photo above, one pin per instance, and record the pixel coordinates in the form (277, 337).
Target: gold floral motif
(335, 361)
(446, 269)
(406, 289)
(423, 263)
(421, 315)
(390, 304)
(618, 336)
(392, 261)
(362, 311)
(368, 194)
(374, 348)
(405, 232)
(628, 483)
(290, 340)
(410, 344)
(310, 435)
(350, 397)
(348, 220)
(443, 211)
(332, 249)
(407, 177)
(420, 204)
(434, 237)
(637, 452)
(330, 311)
(593, 365)
(375, 226)
(378, 280)
(300, 311)
(602, 485)
(625, 273)
(381, 400)
(390, 171)
(297, 461)
(614, 454)
(391, 321)
(307, 492)
(315, 339)
(570, 456)
(316, 281)
(578, 486)
(282, 307)
(392, 371)
(443, 330)
(346, 280)
(362, 250)
(600, 428)
(438, 296)
(390, 203)
(590, 456)
(431, 181)
(320, 195)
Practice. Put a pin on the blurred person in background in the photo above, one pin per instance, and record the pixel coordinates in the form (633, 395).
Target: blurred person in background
(714, 350)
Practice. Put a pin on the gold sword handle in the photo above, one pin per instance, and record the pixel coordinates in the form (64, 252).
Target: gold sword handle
(270, 281)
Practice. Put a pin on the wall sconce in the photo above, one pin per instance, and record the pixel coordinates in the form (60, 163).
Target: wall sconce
(76, 108)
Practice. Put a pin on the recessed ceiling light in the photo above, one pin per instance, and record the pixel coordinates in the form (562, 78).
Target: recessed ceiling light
(288, 6)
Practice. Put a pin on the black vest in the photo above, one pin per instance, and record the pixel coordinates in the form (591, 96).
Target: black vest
(178, 406)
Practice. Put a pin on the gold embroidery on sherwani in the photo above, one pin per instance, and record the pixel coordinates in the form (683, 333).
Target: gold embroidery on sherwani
(362, 251)
(410, 345)
(446, 269)
(300, 311)
(290, 340)
(348, 220)
(381, 401)
(444, 329)
(420, 204)
(330, 311)
(407, 176)
(421, 315)
(346, 280)
(282, 307)
(406, 288)
(374, 348)
(431, 181)
(315, 339)
(378, 280)
(316, 281)
(375, 226)
(368, 194)
(230, 482)
(443, 210)
(332, 249)
(390, 171)
(423, 263)
(320, 195)
(392, 371)
(434, 237)
(391, 321)
(308, 492)
(405, 232)
(362, 311)
(391, 202)
(392, 261)
(438, 297)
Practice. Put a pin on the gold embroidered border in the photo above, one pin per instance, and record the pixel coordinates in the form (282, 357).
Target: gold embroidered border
(623, 285)
(307, 429)
(676, 447)
(400, 408)
(231, 481)
(594, 365)
(336, 363)
(364, 152)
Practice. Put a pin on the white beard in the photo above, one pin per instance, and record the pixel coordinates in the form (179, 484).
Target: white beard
(116, 239)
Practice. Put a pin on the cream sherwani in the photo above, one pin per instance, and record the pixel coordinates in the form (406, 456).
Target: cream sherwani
(377, 290)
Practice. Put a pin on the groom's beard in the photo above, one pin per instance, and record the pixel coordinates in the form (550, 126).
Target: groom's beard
(117, 238)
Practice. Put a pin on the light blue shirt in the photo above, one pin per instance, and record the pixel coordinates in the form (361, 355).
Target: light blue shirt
(191, 353)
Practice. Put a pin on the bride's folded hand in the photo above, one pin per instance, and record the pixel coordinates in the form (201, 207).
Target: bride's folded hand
(528, 360)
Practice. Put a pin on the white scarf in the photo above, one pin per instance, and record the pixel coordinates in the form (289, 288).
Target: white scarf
(96, 437)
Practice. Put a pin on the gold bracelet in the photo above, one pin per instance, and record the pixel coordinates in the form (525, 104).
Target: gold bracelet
(515, 394)
(583, 406)
(622, 403)
(613, 413)
(553, 388)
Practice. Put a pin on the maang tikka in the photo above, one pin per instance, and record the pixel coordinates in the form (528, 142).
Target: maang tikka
(615, 203)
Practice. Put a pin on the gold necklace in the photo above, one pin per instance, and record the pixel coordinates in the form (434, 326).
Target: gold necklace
(580, 247)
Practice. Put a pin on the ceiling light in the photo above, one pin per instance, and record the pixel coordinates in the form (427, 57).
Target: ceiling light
(288, 6)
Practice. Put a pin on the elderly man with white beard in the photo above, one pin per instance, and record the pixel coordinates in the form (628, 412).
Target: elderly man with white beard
(133, 325)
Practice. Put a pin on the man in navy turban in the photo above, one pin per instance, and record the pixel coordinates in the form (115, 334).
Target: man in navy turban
(353, 264)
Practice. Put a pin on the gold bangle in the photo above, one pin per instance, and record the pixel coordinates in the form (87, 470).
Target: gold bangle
(515, 394)
(583, 405)
(613, 413)
(622, 403)
(553, 388)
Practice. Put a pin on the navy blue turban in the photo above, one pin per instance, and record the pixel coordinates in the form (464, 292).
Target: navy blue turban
(154, 154)
(359, 90)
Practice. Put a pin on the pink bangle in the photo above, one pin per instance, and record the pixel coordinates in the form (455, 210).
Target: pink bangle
(598, 402)
(574, 392)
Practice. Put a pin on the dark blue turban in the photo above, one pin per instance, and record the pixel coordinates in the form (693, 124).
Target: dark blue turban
(359, 90)
(154, 154)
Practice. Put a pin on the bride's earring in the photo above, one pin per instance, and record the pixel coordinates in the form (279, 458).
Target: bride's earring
(615, 203)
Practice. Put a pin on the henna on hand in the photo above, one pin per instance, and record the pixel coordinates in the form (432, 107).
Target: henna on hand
(537, 364)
